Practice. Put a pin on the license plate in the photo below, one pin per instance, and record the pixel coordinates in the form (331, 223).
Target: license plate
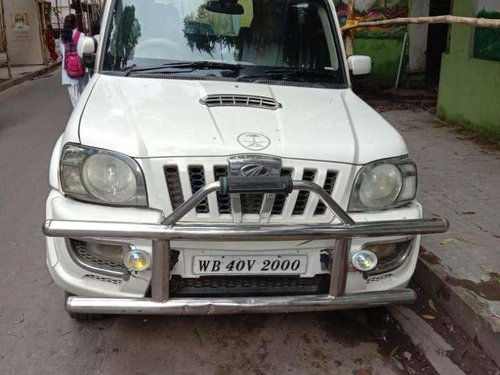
(254, 264)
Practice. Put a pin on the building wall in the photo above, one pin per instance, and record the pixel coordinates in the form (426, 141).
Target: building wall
(469, 89)
(23, 38)
(418, 37)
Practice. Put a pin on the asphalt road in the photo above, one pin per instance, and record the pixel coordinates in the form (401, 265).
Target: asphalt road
(37, 336)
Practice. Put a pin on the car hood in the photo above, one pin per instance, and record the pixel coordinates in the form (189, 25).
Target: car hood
(145, 117)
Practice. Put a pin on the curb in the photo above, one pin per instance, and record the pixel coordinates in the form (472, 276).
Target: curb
(463, 306)
(29, 76)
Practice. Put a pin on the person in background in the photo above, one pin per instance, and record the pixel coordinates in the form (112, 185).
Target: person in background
(51, 43)
(95, 29)
(75, 85)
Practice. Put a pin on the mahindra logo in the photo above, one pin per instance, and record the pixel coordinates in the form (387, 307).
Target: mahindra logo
(254, 170)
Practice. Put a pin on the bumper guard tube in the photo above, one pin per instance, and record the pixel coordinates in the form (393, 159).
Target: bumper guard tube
(209, 306)
(162, 233)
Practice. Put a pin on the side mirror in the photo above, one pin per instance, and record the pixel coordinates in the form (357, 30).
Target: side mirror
(359, 65)
(86, 49)
(86, 45)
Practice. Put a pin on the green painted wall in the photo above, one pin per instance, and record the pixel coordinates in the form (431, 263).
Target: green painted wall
(469, 88)
(469, 94)
(385, 54)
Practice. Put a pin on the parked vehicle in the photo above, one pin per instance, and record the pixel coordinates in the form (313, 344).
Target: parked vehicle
(219, 162)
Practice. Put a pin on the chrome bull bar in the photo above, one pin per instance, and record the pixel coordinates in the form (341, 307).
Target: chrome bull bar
(168, 230)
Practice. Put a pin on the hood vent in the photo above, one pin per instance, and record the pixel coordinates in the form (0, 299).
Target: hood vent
(241, 101)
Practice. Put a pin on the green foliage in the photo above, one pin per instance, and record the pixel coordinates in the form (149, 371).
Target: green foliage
(56, 11)
(202, 36)
(125, 36)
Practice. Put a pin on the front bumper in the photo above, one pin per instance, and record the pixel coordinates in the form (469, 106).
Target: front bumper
(168, 230)
(212, 306)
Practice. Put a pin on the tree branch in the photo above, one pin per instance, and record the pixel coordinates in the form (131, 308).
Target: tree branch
(477, 22)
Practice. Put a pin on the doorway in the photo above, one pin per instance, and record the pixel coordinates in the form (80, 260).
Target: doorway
(437, 41)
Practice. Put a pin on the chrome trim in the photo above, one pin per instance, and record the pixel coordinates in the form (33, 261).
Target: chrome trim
(236, 209)
(191, 203)
(160, 280)
(267, 207)
(391, 240)
(94, 269)
(326, 198)
(397, 262)
(339, 267)
(202, 193)
(212, 306)
(198, 232)
(105, 241)
(169, 230)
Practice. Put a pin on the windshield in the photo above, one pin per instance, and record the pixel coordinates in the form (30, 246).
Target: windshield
(254, 40)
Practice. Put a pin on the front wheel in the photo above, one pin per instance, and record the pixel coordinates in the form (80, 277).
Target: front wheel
(81, 317)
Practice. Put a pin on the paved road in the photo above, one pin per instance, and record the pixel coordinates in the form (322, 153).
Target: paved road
(37, 337)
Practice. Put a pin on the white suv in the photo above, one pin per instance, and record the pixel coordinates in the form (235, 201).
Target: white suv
(219, 162)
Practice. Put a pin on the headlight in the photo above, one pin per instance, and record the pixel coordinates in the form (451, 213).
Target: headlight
(384, 184)
(101, 176)
(108, 178)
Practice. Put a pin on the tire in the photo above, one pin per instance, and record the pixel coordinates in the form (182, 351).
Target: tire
(81, 317)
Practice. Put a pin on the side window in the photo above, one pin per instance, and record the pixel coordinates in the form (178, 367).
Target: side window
(123, 36)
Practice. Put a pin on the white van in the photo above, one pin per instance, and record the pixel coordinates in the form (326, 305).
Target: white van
(219, 162)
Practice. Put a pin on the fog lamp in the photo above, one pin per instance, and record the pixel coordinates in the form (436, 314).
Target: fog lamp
(137, 260)
(364, 260)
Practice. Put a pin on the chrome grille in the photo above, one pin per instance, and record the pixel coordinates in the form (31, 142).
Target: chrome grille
(197, 178)
(279, 202)
(241, 101)
(303, 197)
(223, 200)
(184, 179)
(251, 203)
(174, 185)
(328, 186)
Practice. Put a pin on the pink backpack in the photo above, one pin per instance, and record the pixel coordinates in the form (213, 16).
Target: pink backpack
(72, 62)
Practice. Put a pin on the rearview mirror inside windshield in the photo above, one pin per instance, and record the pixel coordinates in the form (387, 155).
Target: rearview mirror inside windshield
(224, 6)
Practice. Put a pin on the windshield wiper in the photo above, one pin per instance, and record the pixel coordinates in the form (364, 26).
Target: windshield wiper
(287, 74)
(191, 66)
